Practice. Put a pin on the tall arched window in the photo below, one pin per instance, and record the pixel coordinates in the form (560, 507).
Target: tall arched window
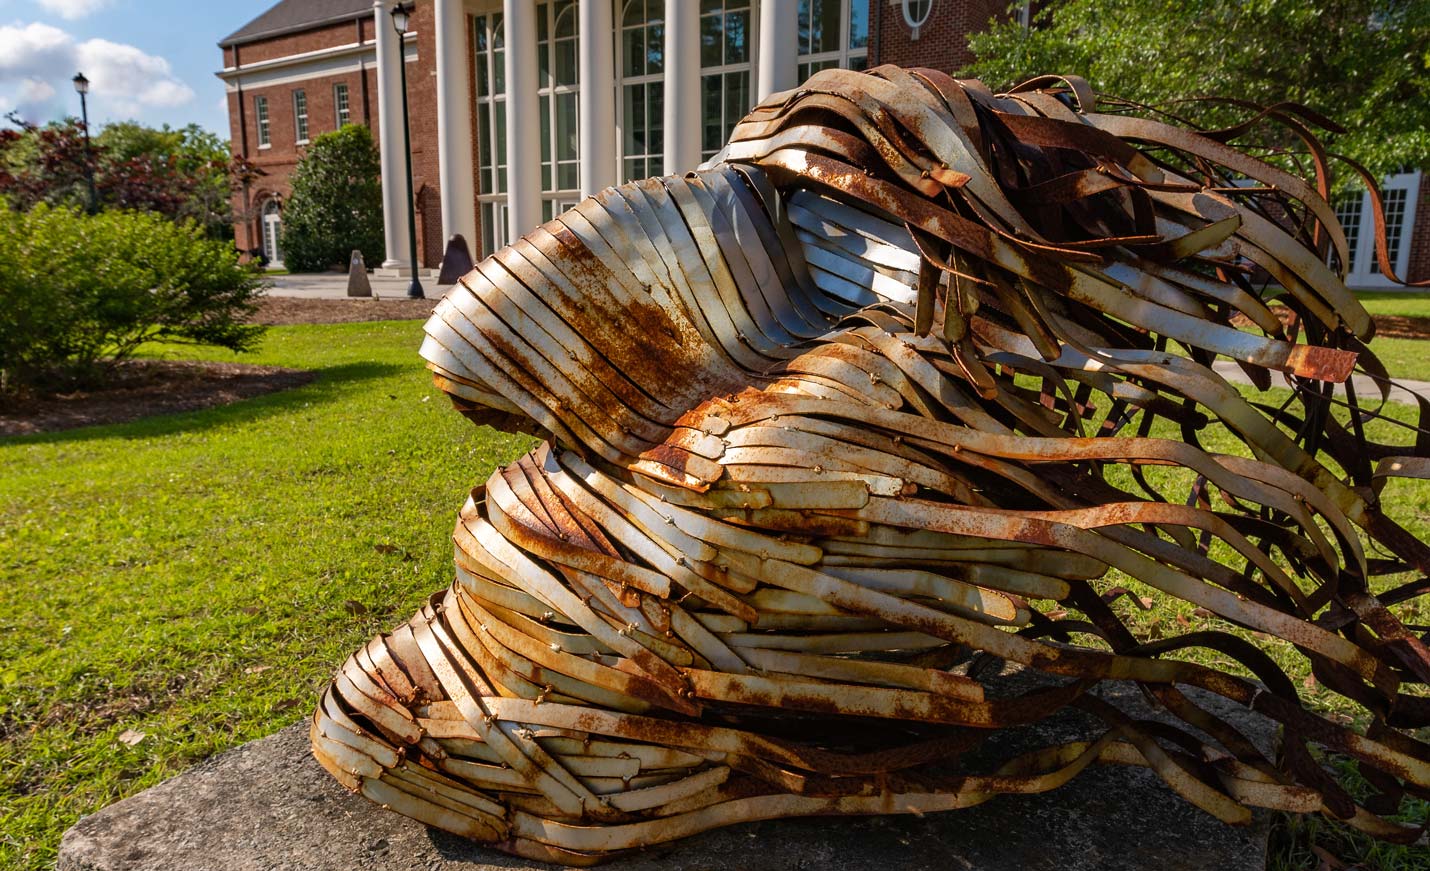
(557, 72)
(490, 60)
(640, 91)
(833, 33)
(727, 46)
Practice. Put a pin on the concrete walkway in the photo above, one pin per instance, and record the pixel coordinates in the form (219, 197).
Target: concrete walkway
(334, 285)
(1366, 390)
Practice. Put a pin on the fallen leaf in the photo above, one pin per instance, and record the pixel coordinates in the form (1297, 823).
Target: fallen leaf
(1146, 603)
(250, 609)
(129, 737)
(286, 704)
(1182, 619)
(256, 669)
(355, 608)
(1056, 615)
(1202, 612)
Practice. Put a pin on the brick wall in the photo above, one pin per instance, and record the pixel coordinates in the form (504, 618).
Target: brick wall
(1419, 267)
(942, 42)
(279, 159)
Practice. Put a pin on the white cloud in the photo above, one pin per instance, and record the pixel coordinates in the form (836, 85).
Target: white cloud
(37, 61)
(72, 10)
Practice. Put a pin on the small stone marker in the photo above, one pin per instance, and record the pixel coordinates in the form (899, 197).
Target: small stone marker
(267, 806)
(357, 276)
(456, 262)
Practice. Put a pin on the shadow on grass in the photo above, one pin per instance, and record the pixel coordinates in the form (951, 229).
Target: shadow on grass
(317, 392)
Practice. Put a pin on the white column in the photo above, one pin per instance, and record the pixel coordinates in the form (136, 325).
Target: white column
(523, 125)
(395, 194)
(454, 125)
(778, 58)
(598, 98)
(682, 86)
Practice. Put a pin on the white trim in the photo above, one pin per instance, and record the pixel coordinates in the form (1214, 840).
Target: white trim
(310, 65)
(299, 58)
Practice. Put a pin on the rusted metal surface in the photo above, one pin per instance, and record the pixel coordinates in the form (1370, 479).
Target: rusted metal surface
(887, 389)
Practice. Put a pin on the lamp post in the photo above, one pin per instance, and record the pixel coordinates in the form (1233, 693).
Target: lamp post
(400, 15)
(81, 87)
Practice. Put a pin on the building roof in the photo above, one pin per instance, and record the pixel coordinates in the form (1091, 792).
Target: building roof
(289, 16)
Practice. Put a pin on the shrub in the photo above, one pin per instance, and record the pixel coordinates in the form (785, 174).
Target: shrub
(336, 204)
(77, 290)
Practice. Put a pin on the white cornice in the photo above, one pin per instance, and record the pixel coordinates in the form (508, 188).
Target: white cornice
(330, 61)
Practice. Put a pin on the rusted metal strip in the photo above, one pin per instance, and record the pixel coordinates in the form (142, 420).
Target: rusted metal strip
(885, 389)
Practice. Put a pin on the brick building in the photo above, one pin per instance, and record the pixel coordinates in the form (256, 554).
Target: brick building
(595, 112)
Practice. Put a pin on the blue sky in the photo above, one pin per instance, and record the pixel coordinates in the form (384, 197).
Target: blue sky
(147, 60)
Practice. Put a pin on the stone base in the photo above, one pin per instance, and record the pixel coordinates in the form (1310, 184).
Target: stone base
(267, 806)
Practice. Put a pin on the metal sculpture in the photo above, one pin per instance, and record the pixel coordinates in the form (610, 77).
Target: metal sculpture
(888, 389)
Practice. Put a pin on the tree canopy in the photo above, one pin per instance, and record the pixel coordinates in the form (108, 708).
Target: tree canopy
(180, 174)
(336, 204)
(1364, 64)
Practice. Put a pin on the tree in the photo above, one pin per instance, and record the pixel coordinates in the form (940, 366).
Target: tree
(336, 204)
(181, 174)
(1364, 64)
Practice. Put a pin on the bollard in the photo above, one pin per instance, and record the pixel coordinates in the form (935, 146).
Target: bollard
(456, 261)
(357, 276)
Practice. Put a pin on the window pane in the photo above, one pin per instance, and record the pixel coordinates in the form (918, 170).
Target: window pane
(655, 48)
(656, 112)
(543, 64)
(484, 148)
(710, 121)
(737, 33)
(567, 146)
(1394, 226)
(633, 110)
(566, 18)
(1348, 212)
(500, 135)
(635, 12)
(803, 25)
(633, 52)
(824, 25)
(545, 142)
(499, 72)
(710, 5)
(635, 168)
(737, 102)
(710, 40)
(568, 176)
(858, 23)
(566, 62)
(859, 63)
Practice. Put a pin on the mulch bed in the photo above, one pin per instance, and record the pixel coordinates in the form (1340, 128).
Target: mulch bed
(277, 310)
(141, 388)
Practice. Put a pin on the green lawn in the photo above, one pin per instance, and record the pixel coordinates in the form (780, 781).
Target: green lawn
(197, 577)
(1405, 304)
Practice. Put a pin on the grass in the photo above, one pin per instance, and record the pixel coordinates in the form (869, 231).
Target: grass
(1405, 304)
(197, 577)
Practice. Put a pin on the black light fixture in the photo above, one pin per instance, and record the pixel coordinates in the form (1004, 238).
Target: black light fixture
(81, 87)
(401, 13)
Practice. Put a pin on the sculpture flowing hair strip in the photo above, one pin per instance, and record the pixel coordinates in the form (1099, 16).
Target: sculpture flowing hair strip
(901, 383)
